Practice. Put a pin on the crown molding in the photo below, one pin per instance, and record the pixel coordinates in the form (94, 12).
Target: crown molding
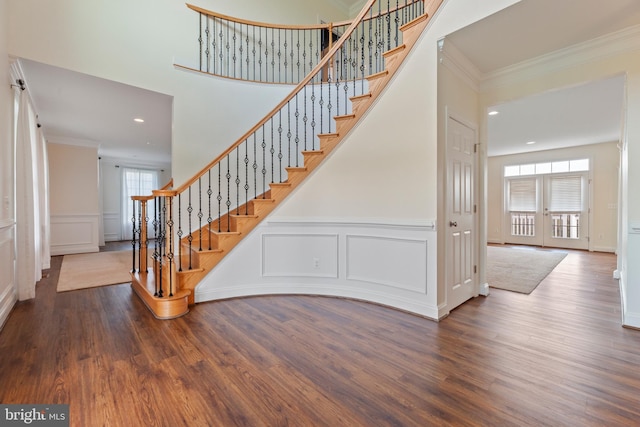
(77, 142)
(619, 42)
(452, 58)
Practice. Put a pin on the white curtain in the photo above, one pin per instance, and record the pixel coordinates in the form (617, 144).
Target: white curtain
(136, 182)
(32, 209)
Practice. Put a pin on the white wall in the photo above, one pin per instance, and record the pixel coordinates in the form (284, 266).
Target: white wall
(605, 160)
(74, 202)
(8, 290)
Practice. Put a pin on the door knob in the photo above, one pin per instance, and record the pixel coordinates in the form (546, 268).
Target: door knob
(453, 223)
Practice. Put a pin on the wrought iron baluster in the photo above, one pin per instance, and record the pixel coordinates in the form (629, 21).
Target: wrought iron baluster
(280, 143)
(190, 235)
(289, 134)
(255, 170)
(214, 44)
(200, 37)
(219, 198)
(272, 150)
(200, 213)
(297, 138)
(162, 225)
(237, 180)
(207, 51)
(228, 203)
(180, 232)
(209, 218)
(228, 46)
(156, 238)
(246, 175)
(264, 163)
(235, 56)
(133, 236)
(253, 51)
(170, 246)
(260, 51)
(397, 21)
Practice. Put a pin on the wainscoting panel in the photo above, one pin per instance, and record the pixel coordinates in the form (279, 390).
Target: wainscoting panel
(112, 226)
(73, 234)
(385, 263)
(399, 263)
(8, 288)
(300, 255)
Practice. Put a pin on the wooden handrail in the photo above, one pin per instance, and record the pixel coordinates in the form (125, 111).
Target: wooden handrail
(323, 62)
(321, 26)
(256, 23)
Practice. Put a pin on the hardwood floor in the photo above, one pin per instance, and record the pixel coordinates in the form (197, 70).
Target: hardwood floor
(556, 357)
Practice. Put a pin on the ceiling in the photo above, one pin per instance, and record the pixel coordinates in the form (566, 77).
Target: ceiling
(77, 108)
(585, 114)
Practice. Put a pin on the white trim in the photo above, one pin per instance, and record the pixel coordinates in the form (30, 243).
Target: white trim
(455, 61)
(76, 142)
(6, 223)
(383, 222)
(627, 40)
(8, 300)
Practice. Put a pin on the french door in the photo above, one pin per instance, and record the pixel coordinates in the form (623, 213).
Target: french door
(548, 210)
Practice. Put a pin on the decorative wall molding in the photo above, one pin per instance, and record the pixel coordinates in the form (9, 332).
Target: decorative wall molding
(300, 255)
(458, 64)
(112, 226)
(620, 42)
(8, 286)
(384, 263)
(387, 261)
(73, 234)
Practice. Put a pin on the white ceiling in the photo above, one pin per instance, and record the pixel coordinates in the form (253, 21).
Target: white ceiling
(585, 114)
(77, 108)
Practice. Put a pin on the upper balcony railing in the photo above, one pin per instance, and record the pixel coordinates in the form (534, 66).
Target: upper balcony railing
(261, 52)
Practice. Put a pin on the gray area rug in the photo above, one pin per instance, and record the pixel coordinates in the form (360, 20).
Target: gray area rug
(519, 269)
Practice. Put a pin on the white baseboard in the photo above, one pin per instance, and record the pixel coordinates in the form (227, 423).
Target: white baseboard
(8, 300)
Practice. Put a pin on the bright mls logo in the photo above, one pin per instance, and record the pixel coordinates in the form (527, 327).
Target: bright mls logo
(36, 415)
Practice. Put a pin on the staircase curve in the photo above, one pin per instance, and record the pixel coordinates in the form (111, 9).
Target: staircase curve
(181, 234)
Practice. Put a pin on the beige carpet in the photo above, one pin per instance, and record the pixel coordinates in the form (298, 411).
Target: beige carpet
(519, 269)
(95, 269)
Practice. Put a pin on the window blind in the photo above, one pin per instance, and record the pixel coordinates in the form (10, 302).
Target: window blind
(566, 194)
(522, 195)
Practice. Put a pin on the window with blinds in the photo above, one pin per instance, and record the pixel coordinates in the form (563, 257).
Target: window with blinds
(566, 194)
(522, 206)
(522, 195)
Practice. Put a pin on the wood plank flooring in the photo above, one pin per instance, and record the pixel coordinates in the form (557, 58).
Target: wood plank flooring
(556, 357)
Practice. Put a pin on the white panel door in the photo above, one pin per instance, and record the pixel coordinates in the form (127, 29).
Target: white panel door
(460, 224)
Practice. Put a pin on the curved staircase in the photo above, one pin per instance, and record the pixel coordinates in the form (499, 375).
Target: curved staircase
(206, 246)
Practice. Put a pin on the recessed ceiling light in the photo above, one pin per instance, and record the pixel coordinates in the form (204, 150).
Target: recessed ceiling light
(139, 120)
(494, 113)
(530, 142)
